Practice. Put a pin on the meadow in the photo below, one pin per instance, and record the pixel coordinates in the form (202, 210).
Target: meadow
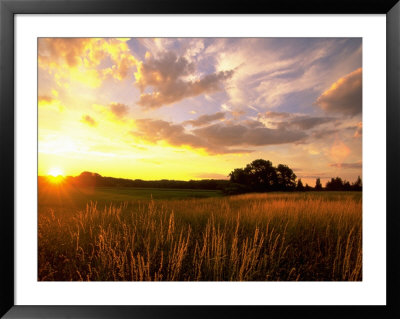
(115, 234)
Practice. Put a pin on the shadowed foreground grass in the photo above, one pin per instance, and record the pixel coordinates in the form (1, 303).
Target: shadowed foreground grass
(296, 236)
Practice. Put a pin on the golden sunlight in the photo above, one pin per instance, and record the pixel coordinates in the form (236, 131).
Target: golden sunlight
(55, 175)
(55, 172)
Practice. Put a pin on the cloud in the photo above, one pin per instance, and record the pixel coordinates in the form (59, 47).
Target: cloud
(206, 119)
(214, 139)
(347, 165)
(319, 134)
(45, 99)
(344, 96)
(306, 122)
(114, 112)
(273, 72)
(155, 131)
(87, 119)
(271, 114)
(173, 79)
(50, 103)
(58, 51)
(239, 134)
(119, 110)
(294, 121)
(85, 60)
(358, 132)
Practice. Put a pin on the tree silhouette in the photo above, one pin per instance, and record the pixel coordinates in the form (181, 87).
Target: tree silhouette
(300, 186)
(285, 177)
(318, 185)
(357, 186)
(335, 184)
(239, 176)
(346, 186)
(261, 174)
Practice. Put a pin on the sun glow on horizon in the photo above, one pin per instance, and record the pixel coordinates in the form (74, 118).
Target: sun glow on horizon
(55, 172)
(55, 175)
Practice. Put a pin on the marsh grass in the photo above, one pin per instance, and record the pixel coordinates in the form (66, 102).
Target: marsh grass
(253, 237)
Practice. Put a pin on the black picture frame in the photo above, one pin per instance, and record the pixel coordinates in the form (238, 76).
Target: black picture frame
(8, 8)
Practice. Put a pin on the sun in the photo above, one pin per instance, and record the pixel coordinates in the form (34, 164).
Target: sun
(55, 171)
(55, 175)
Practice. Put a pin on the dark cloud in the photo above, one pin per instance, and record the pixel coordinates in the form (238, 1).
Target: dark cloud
(119, 110)
(87, 119)
(251, 123)
(271, 114)
(306, 123)
(239, 134)
(206, 119)
(215, 139)
(167, 76)
(155, 131)
(344, 96)
(319, 134)
(294, 121)
(347, 165)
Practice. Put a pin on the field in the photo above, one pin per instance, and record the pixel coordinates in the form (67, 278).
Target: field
(116, 234)
(65, 196)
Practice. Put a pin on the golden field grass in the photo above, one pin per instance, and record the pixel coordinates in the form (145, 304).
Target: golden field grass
(252, 237)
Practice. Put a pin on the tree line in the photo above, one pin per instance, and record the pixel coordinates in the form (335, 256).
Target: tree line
(90, 179)
(261, 176)
(258, 176)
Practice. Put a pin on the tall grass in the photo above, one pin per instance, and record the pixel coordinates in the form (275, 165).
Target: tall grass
(248, 237)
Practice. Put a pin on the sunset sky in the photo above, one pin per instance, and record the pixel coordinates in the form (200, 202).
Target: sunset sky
(196, 108)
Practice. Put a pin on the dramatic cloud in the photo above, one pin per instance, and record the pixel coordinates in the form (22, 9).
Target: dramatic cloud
(347, 165)
(206, 119)
(215, 139)
(173, 79)
(119, 110)
(275, 72)
(87, 119)
(155, 131)
(344, 96)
